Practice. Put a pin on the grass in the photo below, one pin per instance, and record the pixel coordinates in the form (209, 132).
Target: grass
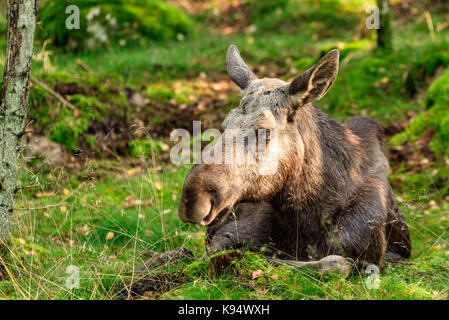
(107, 215)
(95, 230)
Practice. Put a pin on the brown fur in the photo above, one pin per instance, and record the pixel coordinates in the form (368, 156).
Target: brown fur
(330, 193)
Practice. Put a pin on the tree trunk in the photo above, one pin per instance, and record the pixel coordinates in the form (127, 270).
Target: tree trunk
(14, 99)
(384, 32)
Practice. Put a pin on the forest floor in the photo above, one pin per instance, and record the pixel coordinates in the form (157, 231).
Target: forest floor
(96, 214)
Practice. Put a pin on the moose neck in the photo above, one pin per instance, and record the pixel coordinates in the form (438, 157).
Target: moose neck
(324, 178)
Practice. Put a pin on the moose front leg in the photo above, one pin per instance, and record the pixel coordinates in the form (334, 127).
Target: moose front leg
(361, 224)
(327, 264)
(248, 226)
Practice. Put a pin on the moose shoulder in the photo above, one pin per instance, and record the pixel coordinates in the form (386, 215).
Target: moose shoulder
(329, 193)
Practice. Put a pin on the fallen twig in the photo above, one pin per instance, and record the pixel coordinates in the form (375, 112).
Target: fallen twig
(42, 208)
(29, 186)
(83, 65)
(76, 111)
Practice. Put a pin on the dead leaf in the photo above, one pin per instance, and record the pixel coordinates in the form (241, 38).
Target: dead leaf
(131, 202)
(256, 274)
(148, 233)
(151, 294)
(433, 204)
(110, 235)
(45, 194)
(261, 292)
(133, 171)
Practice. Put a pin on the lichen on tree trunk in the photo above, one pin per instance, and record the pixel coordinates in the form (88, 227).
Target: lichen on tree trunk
(13, 103)
(384, 33)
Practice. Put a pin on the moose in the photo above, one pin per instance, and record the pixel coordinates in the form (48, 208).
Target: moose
(330, 194)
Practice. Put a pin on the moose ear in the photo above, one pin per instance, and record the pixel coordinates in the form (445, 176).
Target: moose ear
(237, 68)
(316, 80)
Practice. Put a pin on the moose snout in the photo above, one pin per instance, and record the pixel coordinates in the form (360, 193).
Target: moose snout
(194, 210)
(207, 195)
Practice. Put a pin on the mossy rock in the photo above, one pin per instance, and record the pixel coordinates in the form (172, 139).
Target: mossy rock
(102, 99)
(436, 118)
(425, 67)
(438, 92)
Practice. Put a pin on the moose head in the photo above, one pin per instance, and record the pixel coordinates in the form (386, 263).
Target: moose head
(269, 106)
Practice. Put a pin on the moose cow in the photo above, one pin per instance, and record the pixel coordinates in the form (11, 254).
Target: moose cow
(330, 194)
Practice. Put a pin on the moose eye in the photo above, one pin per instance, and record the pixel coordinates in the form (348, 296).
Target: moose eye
(212, 190)
(263, 135)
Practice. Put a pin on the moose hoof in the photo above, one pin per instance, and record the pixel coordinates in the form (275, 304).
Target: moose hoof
(335, 263)
(327, 264)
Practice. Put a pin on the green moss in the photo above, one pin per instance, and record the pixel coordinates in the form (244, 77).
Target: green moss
(163, 92)
(198, 268)
(318, 17)
(159, 20)
(68, 130)
(438, 92)
(99, 100)
(436, 118)
(347, 48)
(103, 21)
(425, 66)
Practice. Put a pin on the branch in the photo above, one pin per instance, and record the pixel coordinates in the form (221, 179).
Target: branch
(42, 208)
(76, 111)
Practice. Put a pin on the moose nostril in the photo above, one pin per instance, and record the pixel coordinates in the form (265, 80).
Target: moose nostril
(213, 192)
(189, 221)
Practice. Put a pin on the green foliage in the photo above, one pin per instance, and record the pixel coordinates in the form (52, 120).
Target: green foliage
(67, 132)
(159, 20)
(198, 269)
(438, 92)
(319, 17)
(144, 148)
(164, 92)
(347, 48)
(426, 65)
(97, 104)
(3, 24)
(102, 21)
(436, 118)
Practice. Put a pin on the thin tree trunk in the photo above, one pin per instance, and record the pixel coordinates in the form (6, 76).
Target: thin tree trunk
(13, 104)
(384, 33)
